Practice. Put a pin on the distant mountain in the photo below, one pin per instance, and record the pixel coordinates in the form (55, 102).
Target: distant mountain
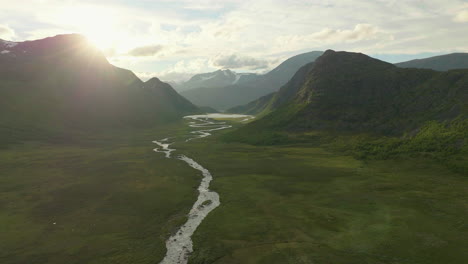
(207, 109)
(62, 84)
(348, 92)
(286, 70)
(266, 104)
(260, 105)
(439, 63)
(219, 78)
(251, 86)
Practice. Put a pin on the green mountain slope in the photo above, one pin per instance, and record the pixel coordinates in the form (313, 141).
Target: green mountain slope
(266, 104)
(255, 107)
(354, 92)
(63, 84)
(439, 63)
(368, 108)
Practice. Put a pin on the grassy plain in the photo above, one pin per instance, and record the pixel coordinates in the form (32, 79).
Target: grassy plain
(111, 199)
(99, 199)
(300, 203)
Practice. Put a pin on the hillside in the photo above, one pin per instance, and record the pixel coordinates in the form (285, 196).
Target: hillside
(62, 83)
(266, 104)
(242, 92)
(439, 63)
(255, 107)
(351, 92)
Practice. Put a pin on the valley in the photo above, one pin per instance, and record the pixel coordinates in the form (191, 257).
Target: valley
(330, 157)
(303, 203)
(115, 200)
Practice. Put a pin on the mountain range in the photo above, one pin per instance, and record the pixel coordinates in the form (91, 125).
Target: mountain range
(62, 83)
(352, 92)
(439, 63)
(219, 78)
(241, 88)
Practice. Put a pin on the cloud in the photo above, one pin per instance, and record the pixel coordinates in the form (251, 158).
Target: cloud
(180, 71)
(235, 61)
(175, 77)
(462, 16)
(44, 33)
(172, 77)
(144, 51)
(360, 32)
(6, 32)
(188, 30)
(330, 36)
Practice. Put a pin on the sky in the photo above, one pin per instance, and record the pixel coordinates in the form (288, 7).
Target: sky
(175, 39)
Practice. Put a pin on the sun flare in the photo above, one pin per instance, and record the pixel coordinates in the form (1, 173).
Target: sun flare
(100, 26)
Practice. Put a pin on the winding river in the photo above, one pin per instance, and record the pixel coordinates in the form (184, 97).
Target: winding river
(179, 245)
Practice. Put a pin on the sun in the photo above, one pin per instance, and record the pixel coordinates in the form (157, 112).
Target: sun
(99, 25)
(101, 41)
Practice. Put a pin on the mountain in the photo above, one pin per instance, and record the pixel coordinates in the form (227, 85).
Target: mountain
(286, 70)
(260, 105)
(352, 92)
(242, 92)
(439, 63)
(214, 79)
(61, 84)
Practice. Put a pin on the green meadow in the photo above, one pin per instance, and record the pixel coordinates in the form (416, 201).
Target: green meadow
(301, 203)
(112, 199)
(100, 199)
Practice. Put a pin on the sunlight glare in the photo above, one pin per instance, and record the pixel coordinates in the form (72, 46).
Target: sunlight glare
(99, 25)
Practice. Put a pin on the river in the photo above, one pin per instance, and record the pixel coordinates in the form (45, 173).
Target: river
(179, 245)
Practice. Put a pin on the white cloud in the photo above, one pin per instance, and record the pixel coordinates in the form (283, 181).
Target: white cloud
(194, 65)
(6, 33)
(180, 71)
(44, 33)
(176, 77)
(236, 61)
(191, 31)
(360, 32)
(144, 51)
(462, 16)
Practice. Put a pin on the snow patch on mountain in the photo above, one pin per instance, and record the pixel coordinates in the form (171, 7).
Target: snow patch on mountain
(237, 78)
(204, 78)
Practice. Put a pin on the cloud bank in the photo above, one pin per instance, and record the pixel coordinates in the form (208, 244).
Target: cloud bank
(145, 51)
(173, 38)
(236, 61)
(6, 33)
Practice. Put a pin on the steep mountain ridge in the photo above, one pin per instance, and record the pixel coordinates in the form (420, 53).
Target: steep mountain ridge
(354, 92)
(62, 84)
